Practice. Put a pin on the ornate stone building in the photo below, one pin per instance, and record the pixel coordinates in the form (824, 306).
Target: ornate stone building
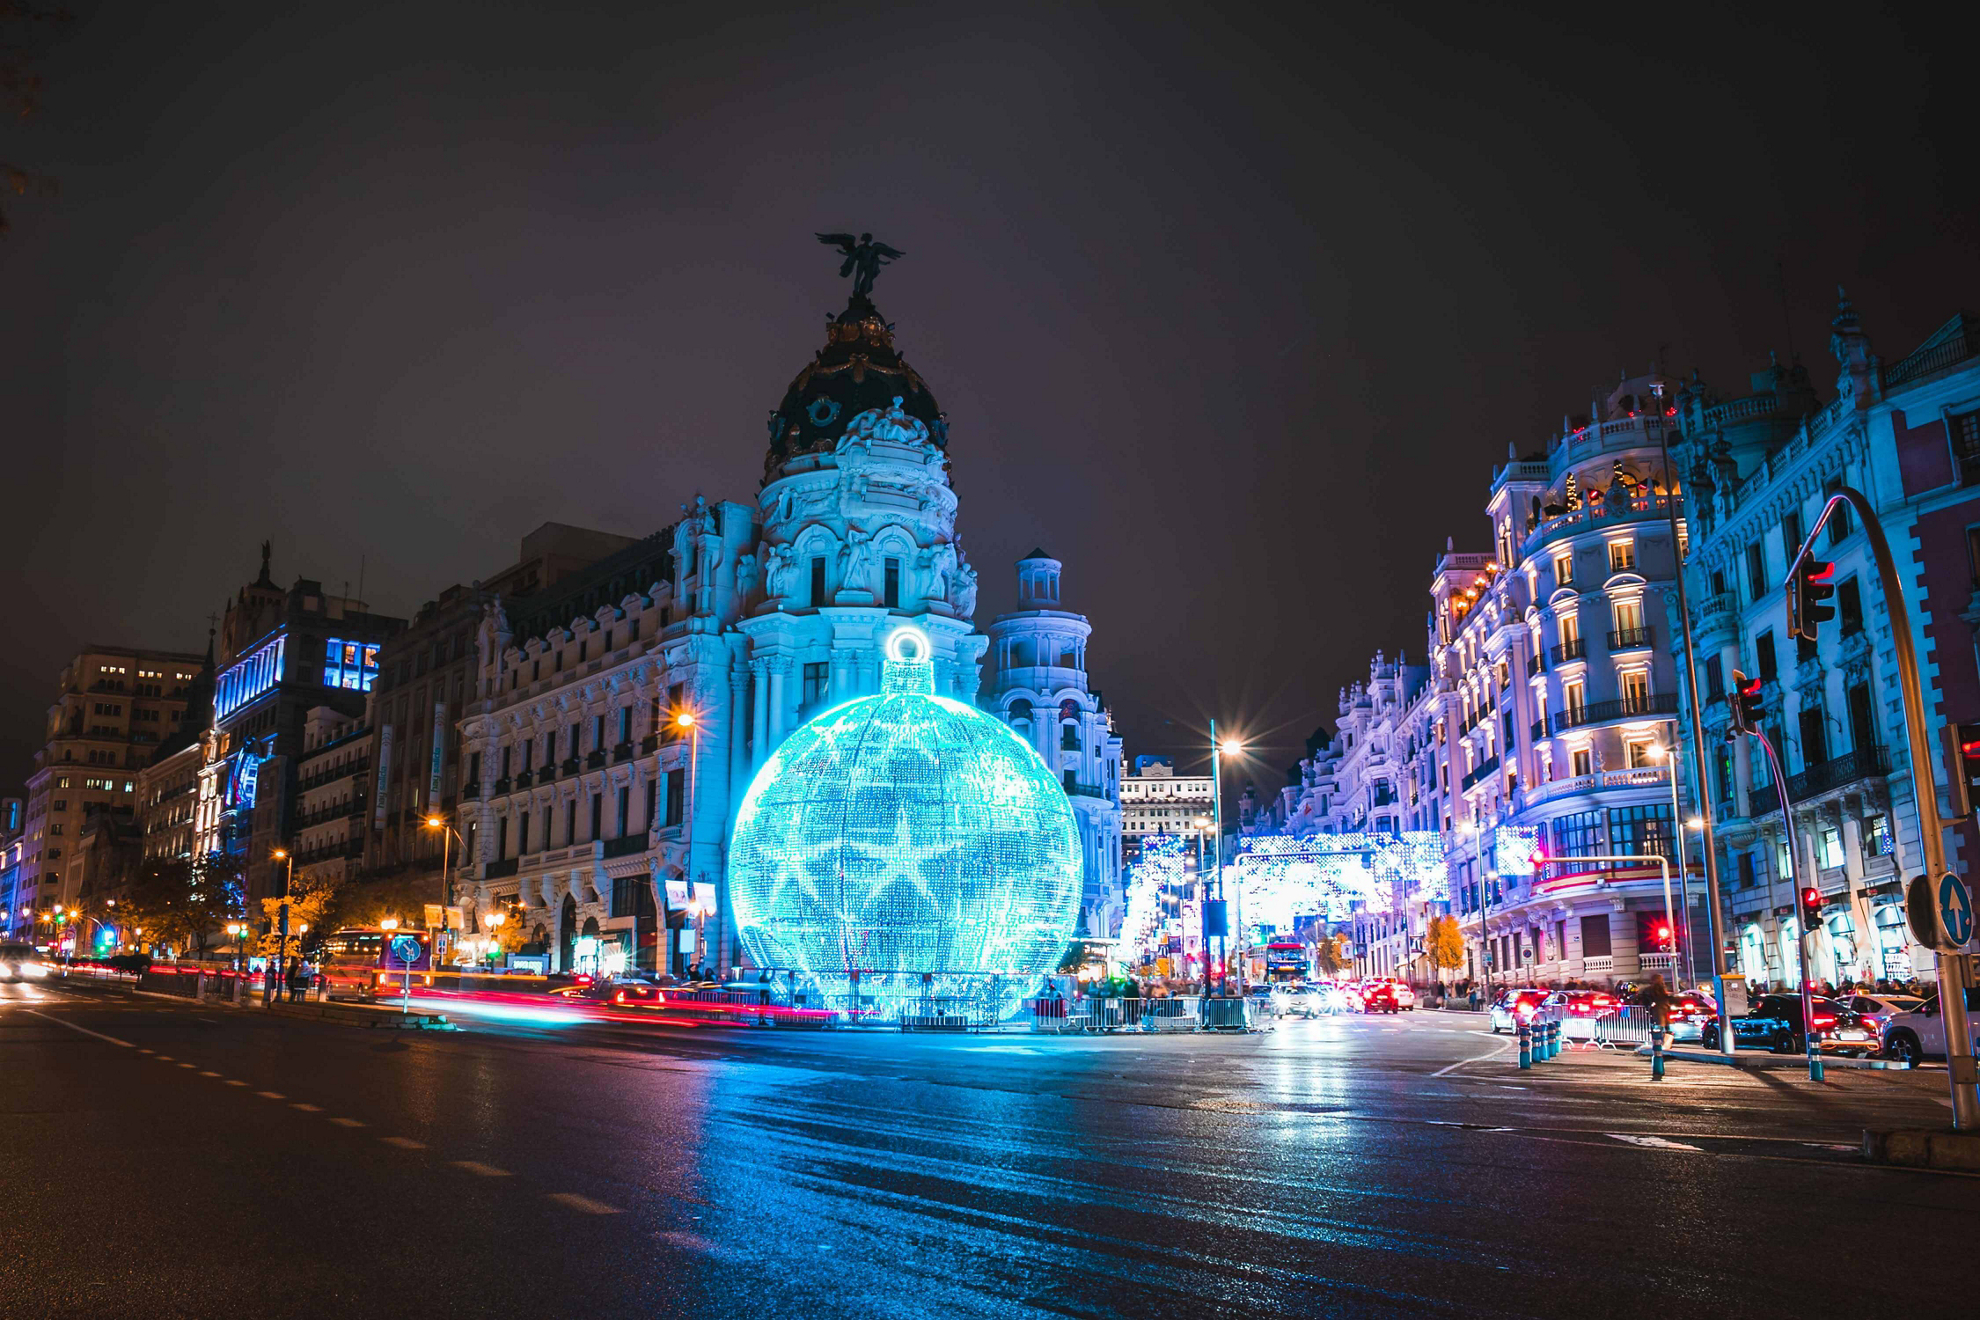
(1039, 687)
(1762, 464)
(591, 808)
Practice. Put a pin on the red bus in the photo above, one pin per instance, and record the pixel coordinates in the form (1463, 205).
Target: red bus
(358, 960)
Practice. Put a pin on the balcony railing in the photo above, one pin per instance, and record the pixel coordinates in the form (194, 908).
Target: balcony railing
(1760, 801)
(569, 767)
(1565, 651)
(1481, 772)
(622, 847)
(505, 867)
(1086, 790)
(1623, 708)
(525, 778)
(595, 759)
(503, 784)
(471, 789)
(622, 752)
(1539, 729)
(1629, 639)
(1863, 763)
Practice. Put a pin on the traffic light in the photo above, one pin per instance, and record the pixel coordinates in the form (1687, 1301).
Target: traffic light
(1662, 933)
(1962, 767)
(1744, 702)
(1814, 581)
(1811, 901)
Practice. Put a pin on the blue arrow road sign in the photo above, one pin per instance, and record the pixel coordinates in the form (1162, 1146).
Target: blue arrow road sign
(1955, 908)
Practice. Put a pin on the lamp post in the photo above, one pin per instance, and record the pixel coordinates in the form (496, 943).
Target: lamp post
(1218, 750)
(684, 719)
(447, 836)
(274, 978)
(1670, 756)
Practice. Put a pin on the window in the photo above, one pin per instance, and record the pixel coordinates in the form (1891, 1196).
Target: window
(474, 767)
(1814, 736)
(1763, 655)
(1747, 879)
(1965, 429)
(570, 822)
(505, 762)
(625, 807)
(1634, 685)
(1641, 831)
(1622, 556)
(1574, 695)
(1840, 522)
(1756, 570)
(522, 832)
(1849, 607)
(1790, 535)
(1583, 762)
(818, 580)
(817, 682)
(676, 796)
(598, 733)
(1877, 840)
(625, 724)
(1715, 679)
(1563, 569)
(597, 815)
(1639, 754)
(890, 591)
(1570, 629)
(1862, 717)
(1578, 834)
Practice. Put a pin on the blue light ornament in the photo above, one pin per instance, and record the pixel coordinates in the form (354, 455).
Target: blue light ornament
(910, 843)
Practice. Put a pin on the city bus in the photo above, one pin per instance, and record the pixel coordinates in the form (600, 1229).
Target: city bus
(358, 960)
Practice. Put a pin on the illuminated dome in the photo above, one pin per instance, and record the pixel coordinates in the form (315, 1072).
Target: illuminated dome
(857, 371)
(907, 834)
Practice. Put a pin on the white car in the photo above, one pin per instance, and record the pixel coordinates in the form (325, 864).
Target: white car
(21, 962)
(1295, 1000)
(1921, 1034)
(1876, 1011)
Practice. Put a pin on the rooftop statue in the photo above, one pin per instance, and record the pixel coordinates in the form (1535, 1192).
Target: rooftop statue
(864, 257)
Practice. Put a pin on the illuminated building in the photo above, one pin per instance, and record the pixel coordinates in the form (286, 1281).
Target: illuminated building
(1155, 800)
(1906, 434)
(115, 707)
(281, 654)
(592, 810)
(168, 787)
(907, 844)
(1038, 684)
(427, 676)
(333, 774)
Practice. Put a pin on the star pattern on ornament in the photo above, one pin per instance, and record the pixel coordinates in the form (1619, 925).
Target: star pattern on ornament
(901, 859)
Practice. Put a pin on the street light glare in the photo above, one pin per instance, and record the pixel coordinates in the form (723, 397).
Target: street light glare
(1695, 823)
(433, 822)
(280, 853)
(685, 719)
(1232, 747)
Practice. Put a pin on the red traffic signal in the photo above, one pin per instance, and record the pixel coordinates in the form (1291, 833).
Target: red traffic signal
(1662, 932)
(1811, 901)
(1962, 767)
(1744, 703)
(1813, 582)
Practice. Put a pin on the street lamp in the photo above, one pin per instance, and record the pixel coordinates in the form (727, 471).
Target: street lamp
(1218, 750)
(494, 921)
(684, 720)
(447, 836)
(275, 967)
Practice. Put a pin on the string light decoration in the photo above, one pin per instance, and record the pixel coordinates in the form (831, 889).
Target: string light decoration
(1144, 926)
(903, 847)
(1284, 878)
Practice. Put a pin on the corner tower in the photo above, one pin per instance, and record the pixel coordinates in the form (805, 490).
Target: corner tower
(1040, 690)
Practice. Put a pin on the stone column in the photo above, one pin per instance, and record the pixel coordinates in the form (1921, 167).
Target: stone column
(779, 666)
(759, 716)
(738, 745)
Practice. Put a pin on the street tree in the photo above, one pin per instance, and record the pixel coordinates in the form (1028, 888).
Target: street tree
(1444, 943)
(310, 899)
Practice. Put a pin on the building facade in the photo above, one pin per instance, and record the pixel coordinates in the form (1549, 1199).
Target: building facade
(1762, 464)
(282, 653)
(1156, 800)
(615, 729)
(114, 708)
(1038, 685)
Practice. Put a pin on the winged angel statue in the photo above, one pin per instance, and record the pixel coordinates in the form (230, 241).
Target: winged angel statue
(864, 258)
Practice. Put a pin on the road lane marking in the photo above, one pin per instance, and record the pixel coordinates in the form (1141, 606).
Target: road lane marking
(1654, 1143)
(32, 1012)
(145, 1051)
(485, 1170)
(404, 1143)
(271, 1095)
(189, 1065)
(234, 1082)
(347, 1122)
(1504, 1045)
(582, 1204)
(308, 1109)
(204, 1073)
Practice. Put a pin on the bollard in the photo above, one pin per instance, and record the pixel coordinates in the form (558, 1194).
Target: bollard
(1814, 1059)
(1554, 1039)
(1525, 1046)
(1656, 1054)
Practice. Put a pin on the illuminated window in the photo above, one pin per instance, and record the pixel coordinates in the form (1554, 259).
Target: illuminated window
(352, 665)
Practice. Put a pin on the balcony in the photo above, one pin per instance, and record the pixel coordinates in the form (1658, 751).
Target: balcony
(569, 767)
(1623, 708)
(595, 759)
(1630, 639)
(1566, 651)
(622, 752)
(651, 742)
(1539, 729)
(470, 790)
(1648, 776)
(1588, 518)
(1481, 773)
(502, 785)
(1085, 790)
(1863, 763)
(1760, 801)
(622, 847)
(497, 870)
(525, 779)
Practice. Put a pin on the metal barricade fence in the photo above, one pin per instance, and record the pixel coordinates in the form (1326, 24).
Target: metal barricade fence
(1173, 1013)
(1625, 1028)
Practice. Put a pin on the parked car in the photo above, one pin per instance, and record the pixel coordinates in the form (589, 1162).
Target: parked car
(1774, 1022)
(1876, 1011)
(1515, 1007)
(1920, 1034)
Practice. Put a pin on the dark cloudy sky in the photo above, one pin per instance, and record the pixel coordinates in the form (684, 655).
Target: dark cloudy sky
(1233, 310)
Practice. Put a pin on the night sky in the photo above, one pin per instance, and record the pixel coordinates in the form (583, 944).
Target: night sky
(1233, 311)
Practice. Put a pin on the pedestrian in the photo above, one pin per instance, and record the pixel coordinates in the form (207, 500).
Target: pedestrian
(1656, 999)
(298, 979)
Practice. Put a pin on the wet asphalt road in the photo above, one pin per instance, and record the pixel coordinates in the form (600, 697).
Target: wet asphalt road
(175, 1160)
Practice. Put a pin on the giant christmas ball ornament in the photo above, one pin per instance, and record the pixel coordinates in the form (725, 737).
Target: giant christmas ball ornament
(911, 841)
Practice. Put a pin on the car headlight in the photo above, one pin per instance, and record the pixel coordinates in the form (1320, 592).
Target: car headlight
(34, 969)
